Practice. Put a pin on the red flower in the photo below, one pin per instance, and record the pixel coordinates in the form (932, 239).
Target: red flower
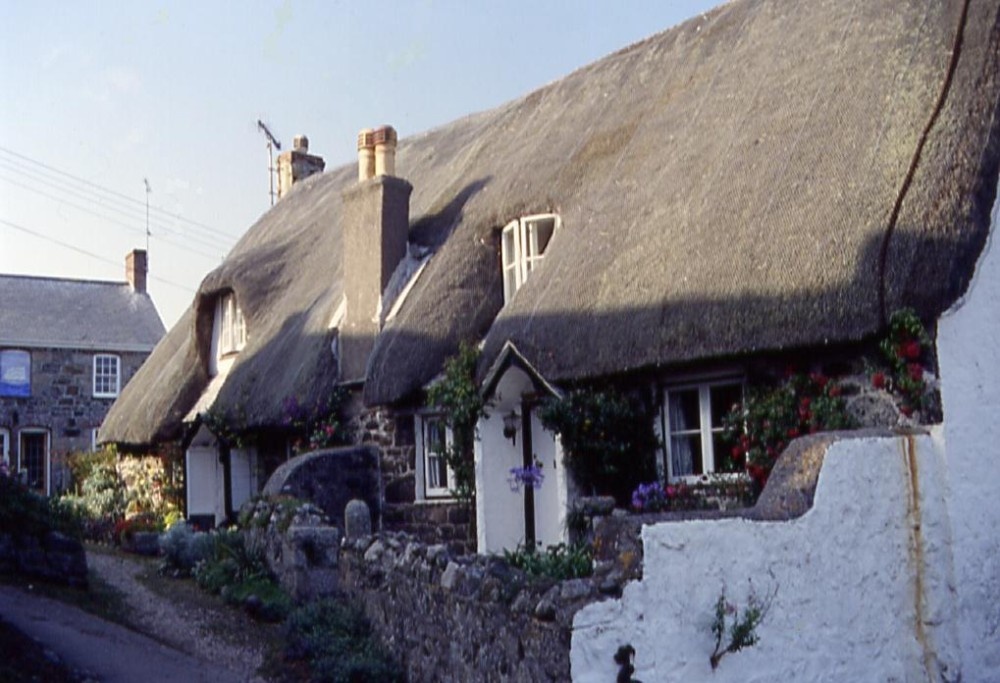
(915, 370)
(835, 390)
(805, 402)
(906, 409)
(878, 380)
(819, 379)
(909, 349)
(793, 432)
(736, 452)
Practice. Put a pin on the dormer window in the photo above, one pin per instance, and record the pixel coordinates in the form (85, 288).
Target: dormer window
(523, 245)
(231, 325)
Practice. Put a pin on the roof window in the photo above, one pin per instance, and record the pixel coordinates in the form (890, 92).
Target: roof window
(523, 244)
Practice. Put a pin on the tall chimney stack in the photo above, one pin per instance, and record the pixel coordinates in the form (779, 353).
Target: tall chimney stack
(376, 230)
(297, 164)
(135, 270)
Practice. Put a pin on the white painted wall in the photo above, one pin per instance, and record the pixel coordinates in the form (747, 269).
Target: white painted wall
(500, 511)
(969, 357)
(845, 575)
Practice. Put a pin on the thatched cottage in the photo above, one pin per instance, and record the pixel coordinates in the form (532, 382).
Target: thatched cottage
(770, 178)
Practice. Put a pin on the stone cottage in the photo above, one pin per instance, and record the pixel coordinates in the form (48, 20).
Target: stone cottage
(768, 181)
(67, 349)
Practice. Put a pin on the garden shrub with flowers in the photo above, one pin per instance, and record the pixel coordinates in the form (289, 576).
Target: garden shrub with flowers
(714, 493)
(319, 426)
(905, 351)
(771, 417)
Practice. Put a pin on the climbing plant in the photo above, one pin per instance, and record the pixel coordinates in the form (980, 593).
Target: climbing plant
(461, 406)
(608, 439)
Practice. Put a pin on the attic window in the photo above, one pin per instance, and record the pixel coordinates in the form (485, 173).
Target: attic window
(232, 326)
(523, 243)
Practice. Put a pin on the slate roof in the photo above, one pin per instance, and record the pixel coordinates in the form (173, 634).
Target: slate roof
(81, 314)
(769, 175)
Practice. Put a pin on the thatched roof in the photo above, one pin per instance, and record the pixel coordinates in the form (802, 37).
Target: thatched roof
(758, 178)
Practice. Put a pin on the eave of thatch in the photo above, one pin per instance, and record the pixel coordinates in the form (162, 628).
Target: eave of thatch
(755, 179)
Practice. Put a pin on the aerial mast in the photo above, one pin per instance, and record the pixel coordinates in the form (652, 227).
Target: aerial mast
(272, 144)
(145, 181)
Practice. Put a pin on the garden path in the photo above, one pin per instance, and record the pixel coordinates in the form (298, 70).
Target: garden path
(222, 636)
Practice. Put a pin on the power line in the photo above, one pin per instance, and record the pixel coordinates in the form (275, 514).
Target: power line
(116, 193)
(109, 203)
(103, 217)
(91, 254)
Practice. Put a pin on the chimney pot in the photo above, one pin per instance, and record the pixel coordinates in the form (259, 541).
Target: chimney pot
(135, 270)
(366, 154)
(385, 150)
(300, 143)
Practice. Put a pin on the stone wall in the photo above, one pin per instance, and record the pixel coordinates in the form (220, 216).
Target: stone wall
(330, 478)
(432, 522)
(53, 557)
(464, 618)
(62, 403)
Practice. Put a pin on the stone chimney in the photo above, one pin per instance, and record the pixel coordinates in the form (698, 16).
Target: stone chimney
(135, 270)
(376, 227)
(297, 164)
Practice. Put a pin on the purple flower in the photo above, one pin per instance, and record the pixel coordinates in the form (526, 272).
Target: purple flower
(525, 476)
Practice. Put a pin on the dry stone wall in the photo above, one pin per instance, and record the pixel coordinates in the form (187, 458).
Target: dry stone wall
(457, 618)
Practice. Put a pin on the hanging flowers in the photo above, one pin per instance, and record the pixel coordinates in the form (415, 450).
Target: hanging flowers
(526, 476)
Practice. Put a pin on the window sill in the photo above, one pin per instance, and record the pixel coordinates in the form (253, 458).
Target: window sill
(431, 500)
(104, 396)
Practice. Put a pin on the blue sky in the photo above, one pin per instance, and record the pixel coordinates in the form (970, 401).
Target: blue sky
(99, 95)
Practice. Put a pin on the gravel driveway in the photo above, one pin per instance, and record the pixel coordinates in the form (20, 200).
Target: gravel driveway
(199, 632)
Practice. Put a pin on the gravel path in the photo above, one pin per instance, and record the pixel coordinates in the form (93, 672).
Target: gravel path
(200, 632)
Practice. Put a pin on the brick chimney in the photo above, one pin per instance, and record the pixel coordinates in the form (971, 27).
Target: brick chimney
(135, 270)
(297, 164)
(376, 226)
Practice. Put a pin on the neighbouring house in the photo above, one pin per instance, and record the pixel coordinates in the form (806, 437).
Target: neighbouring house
(67, 349)
(764, 183)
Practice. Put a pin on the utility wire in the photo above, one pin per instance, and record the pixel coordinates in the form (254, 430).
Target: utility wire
(91, 254)
(127, 226)
(109, 203)
(116, 193)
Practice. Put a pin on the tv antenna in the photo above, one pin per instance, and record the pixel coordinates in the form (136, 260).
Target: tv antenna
(272, 144)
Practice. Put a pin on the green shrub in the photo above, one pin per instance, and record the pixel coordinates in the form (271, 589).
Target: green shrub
(262, 597)
(23, 511)
(558, 561)
(608, 438)
(337, 643)
(183, 548)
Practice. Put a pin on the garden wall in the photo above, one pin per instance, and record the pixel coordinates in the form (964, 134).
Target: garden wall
(464, 618)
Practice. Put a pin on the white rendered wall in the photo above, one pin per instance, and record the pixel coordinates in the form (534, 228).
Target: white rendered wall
(500, 511)
(968, 344)
(858, 598)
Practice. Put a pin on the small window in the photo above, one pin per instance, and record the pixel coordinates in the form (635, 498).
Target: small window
(4, 451)
(435, 479)
(522, 245)
(694, 428)
(107, 376)
(232, 326)
(15, 373)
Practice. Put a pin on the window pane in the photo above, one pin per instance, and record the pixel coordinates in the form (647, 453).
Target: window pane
(507, 246)
(685, 455)
(435, 443)
(685, 412)
(539, 234)
(724, 397)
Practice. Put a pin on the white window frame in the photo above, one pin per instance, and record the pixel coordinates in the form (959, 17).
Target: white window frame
(106, 391)
(705, 428)
(5, 448)
(231, 325)
(424, 489)
(519, 250)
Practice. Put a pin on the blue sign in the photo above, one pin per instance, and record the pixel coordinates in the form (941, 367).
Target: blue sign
(15, 373)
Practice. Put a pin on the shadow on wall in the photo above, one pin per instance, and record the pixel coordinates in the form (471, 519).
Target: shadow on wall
(330, 479)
